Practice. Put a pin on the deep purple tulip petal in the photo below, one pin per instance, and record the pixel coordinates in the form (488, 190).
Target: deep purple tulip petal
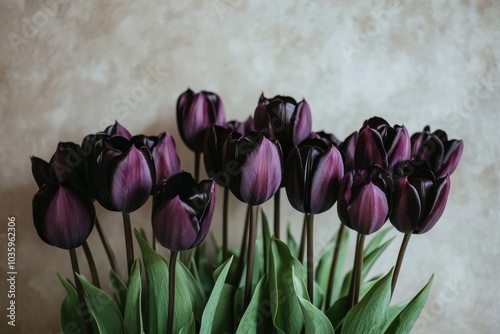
(344, 198)
(41, 171)
(400, 148)
(208, 187)
(261, 173)
(325, 181)
(406, 211)
(117, 130)
(165, 157)
(175, 225)
(67, 221)
(302, 122)
(369, 149)
(368, 210)
(131, 181)
(443, 189)
(453, 153)
(348, 146)
(433, 152)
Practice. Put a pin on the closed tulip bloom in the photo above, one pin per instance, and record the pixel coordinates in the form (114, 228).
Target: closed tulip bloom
(123, 173)
(313, 171)
(182, 211)
(195, 114)
(213, 153)
(63, 216)
(328, 138)
(419, 199)
(254, 164)
(380, 144)
(348, 147)
(284, 119)
(364, 199)
(117, 130)
(442, 154)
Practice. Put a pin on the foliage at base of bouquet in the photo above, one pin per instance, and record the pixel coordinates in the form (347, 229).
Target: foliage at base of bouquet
(279, 303)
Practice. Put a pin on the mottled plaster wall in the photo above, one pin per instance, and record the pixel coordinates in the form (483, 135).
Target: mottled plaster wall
(67, 68)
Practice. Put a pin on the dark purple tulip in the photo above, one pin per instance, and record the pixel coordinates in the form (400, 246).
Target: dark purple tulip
(117, 130)
(328, 138)
(195, 114)
(213, 153)
(162, 148)
(313, 171)
(419, 199)
(254, 165)
(123, 173)
(182, 211)
(348, 147)
(284, 119)
(364, 199)
(380, 144)
(441, 154)
(63, 216)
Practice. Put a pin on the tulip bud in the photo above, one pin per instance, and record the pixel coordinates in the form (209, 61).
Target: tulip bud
(213, 153)
(441, 154)
(382, 145)
(419, 199)
(254, 165)
(117, 130)
(182, 211)
(285, 119)
(195, 114)
(364, 198)
(122, 172)
(313, 171)
(63, 216)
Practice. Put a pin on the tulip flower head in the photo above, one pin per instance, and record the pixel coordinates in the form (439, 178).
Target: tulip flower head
(182, 211)
(254, 165)
(442, 154)
(380, 144)
(364, 199)
(419, 199)
(195, 114)
(313, 171)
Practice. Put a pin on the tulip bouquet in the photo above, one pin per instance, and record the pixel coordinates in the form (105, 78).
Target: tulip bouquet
(376, 174)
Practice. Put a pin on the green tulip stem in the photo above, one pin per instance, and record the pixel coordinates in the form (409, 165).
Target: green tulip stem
(303, 239)
(241, 257)
(310, 256)
(107, 247)
(224, 223)
(171, 291)
(92, 267)
(79, 289)
(128, 240)
(399, 261)
(335, 259)
(357, 270)
(252, 236)
(277, 214)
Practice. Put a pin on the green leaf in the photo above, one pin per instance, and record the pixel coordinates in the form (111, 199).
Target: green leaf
(285, 308)
(250, 321)
(370, 314)
(189, 328)
(71, 321)
(133, 315)
(377, 239)
(119, 289)
(337, 312)
(316, 321)
(196, 293)
(292, 243)
(208, 318)
(404, 321)
(266, 238)
(157, 280)
(103, 308)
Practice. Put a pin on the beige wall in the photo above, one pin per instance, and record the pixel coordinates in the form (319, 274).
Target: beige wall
(65, 70)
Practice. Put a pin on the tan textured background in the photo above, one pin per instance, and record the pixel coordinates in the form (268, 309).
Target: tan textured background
(68, 68)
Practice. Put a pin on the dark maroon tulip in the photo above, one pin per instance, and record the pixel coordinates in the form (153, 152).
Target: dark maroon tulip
(213, 154)
(195, 114)
(117, 130)
(284, 119)
(348, 147)
(63, 216)
(123, 173)
(364, 199)
(328, 138)
(419, 199)
(254, 165)
(162, 148)
(313, 171)
(380, 144)
(182, 211)
(441, 154)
